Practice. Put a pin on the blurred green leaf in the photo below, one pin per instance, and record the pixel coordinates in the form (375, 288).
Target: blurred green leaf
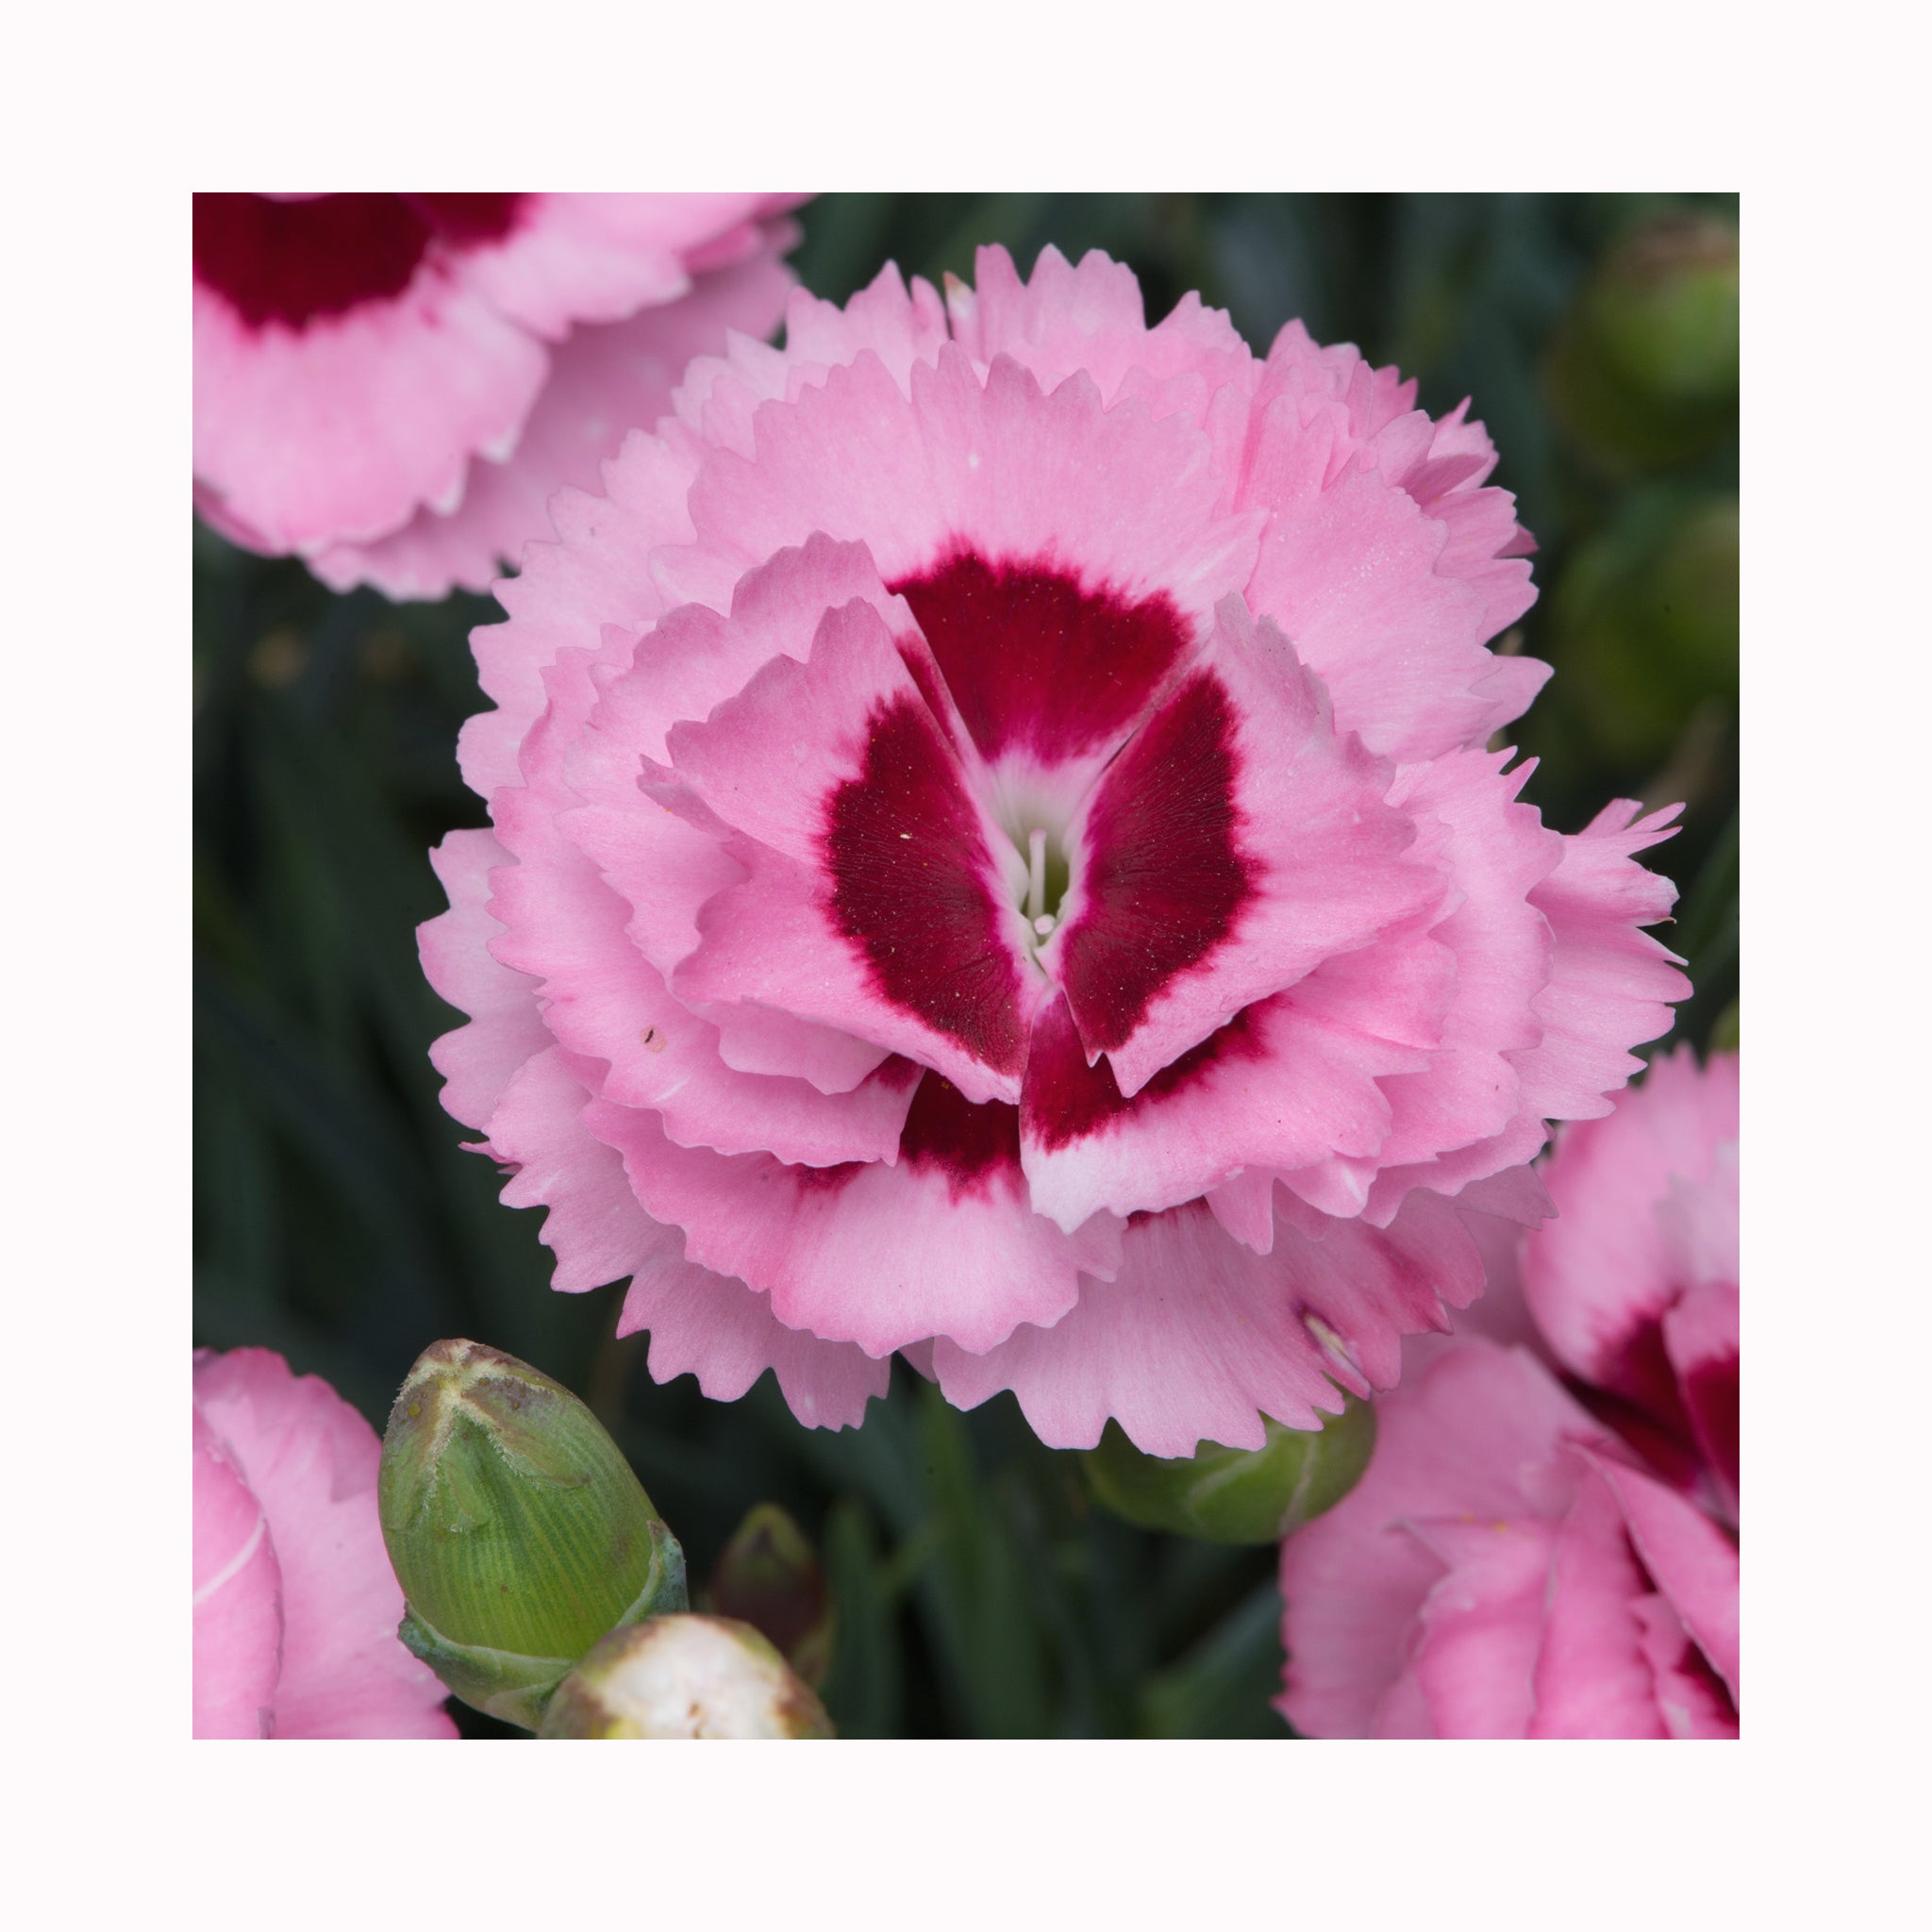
(1222, 1687)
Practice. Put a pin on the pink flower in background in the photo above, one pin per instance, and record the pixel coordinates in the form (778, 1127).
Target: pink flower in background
(996, 857)
(1504, 1570)
(392, 386)
(295, 1605)
(1634, 1287)
(1522, 1559)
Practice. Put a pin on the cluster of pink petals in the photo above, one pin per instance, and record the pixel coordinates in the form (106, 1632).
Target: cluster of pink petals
(996, 857)
(392, 386)
(295, 1605)
(1527, 1558)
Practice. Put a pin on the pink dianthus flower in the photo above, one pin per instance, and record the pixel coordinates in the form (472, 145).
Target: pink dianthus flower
(1634, 1287)
(1525, 1559)
(1506, 1570)
(995, 856)
(391, 386)
(295, 1604)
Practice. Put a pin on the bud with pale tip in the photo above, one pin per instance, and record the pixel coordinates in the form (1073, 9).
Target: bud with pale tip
(688, 1676)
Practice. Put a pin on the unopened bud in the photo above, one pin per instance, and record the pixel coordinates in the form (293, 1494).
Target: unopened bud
(517, 1529)
(687, 1677)
(1645, 619)
(1236, 1495)
(1644, 366)
(768, 1576)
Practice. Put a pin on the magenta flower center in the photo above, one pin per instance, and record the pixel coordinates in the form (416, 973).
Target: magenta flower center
(1048, 676)
(295, 263)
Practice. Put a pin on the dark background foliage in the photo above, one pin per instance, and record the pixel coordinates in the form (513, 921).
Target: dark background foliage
(980, 1590)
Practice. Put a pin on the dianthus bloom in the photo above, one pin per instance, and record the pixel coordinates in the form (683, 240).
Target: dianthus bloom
(391, 386)
(1634, 1287)
(295, 1605)
(1524, 1560)
(996, 857)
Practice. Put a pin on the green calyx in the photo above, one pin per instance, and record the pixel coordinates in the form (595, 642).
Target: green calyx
(517, 1529)
(1225, 1495)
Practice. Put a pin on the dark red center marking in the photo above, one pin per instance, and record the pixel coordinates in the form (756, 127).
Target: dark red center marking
(1035, 662)
(967, 1144)
(1165, 878)
(907, 862)
(1711, 1394)
(296, 261)
(1063, 1099)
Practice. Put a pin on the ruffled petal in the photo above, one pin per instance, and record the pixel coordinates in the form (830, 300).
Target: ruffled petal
(506, 1023)
(942, 1242)
(340, 430)
(604, 381)
(1690, 1558)
(701, 1324)
(1198, 1338)
(1478, 1434)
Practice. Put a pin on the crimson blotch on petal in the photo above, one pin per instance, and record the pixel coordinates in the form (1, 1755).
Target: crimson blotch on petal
(995, 854)
(391, 386)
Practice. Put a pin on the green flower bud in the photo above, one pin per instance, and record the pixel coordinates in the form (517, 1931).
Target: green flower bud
(768, 1576)
(1645, 618)
(1643, 368)
(686, 1677)
(1236, 1495)
(517, 1529)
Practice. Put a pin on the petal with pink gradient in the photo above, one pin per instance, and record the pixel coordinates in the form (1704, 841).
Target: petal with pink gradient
(1700, 1336)
(310, 1461)
(1086, 319)
(1197, 1337)
(339, 432)
(1690, 1559)
(506, 1026)
(1476, 1435)
(238, 1599)
(1479, 1630)
(992, 465)
(375, 381)
(605, 380)
(1690, 1697)
(1610, 984)
(1274, 1088)
(1496, 851)
(716, 1328)
(1593, 1677)
(603, 999)
(1635, 1285)
(573, 259)
(701, 1324)
(873, 1254)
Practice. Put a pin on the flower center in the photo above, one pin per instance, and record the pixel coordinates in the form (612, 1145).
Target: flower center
(1047, 874)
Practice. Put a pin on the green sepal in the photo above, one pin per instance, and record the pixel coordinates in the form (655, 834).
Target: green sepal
(517, 1529)
(518, 1689)
(1236, 1495)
